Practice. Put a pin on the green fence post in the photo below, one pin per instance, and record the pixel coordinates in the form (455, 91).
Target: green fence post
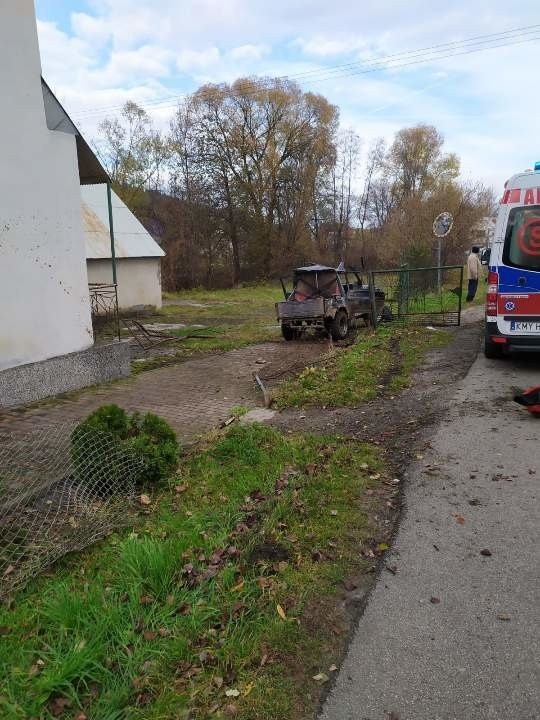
(372, 299)
(111, 231)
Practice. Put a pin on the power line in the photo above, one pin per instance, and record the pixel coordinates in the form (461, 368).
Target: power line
(390, 62)
(476, 40)
(432, 49)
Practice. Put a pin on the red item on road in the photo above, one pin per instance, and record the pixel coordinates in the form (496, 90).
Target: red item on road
(530, 399)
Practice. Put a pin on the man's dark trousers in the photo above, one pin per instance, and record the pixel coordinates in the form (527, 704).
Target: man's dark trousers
(471, 292)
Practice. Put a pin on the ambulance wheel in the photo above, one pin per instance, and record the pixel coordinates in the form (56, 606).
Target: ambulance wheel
(491, 350)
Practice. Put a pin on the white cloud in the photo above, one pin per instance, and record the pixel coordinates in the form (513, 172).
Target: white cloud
(91, 29)
(249, 52)
(321, 46)
(197, 59)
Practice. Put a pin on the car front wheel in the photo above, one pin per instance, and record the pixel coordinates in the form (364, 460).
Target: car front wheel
(339, 327)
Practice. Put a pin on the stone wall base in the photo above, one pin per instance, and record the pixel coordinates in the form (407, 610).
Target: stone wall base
(35, 381)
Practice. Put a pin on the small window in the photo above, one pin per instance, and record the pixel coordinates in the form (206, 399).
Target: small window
(522, 241)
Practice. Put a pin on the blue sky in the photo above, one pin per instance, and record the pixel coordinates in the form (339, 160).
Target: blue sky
(98, 53)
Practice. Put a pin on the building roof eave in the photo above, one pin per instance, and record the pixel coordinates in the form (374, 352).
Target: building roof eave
(91, 171)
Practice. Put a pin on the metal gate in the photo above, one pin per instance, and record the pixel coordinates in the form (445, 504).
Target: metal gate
(426, 296)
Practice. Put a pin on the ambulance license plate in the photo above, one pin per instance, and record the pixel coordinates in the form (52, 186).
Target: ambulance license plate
(527, 327)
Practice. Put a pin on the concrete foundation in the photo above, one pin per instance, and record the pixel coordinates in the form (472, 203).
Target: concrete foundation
(27, 383)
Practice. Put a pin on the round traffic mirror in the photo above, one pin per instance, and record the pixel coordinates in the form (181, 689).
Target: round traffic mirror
(443, 224)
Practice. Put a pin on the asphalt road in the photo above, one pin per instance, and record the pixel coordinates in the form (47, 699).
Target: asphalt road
(455, 634)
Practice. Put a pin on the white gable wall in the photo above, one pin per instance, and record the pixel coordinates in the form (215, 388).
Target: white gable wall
(44, 303)
(139, 280)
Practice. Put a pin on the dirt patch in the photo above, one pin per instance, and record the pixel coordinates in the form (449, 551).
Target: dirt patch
(269, 552)
(396, 423)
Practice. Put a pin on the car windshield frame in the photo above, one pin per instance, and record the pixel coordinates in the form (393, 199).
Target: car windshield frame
(519, 243)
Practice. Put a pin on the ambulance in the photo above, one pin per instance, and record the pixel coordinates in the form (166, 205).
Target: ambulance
(513, 292)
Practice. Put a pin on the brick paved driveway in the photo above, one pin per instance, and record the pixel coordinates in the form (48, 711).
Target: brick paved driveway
(193, 396)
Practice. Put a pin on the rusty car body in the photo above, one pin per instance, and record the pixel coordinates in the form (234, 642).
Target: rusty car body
(327, 300)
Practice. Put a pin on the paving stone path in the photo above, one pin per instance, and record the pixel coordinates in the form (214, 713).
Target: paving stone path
(193, 396)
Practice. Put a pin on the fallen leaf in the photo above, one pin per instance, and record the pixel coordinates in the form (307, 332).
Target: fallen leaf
(281, 612)
(434, 600)
(332, 668)
(205, 656)
(80, 716)
(485, 552)
(163, 632)
(180, 488)
(382, 547)
(143, 698)
(248, 689)
(311, 468)
(150, 635)
(504, 617)
(321, 677)
(146, 600)
(231, 710)
(58, 705)
(217, 681)
(238, 586)
(8, 570)
(232, 692)
(144, 500)
(459, 519)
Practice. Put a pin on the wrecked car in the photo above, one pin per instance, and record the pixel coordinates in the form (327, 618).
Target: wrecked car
(326, 300)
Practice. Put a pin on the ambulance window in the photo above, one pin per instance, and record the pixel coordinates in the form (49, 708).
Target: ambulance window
(522, 241)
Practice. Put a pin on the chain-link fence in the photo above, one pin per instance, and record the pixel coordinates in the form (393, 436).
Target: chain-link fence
(428, 296)
(61, 489)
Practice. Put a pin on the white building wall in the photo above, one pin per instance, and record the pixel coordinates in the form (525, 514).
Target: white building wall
(44, 303)
(139, 280)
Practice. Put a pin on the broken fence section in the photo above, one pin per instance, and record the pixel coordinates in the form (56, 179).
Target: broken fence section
(61, 489)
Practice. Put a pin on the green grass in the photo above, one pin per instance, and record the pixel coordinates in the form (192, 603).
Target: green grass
(133, 628)
(235, 318)
(351, 376)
